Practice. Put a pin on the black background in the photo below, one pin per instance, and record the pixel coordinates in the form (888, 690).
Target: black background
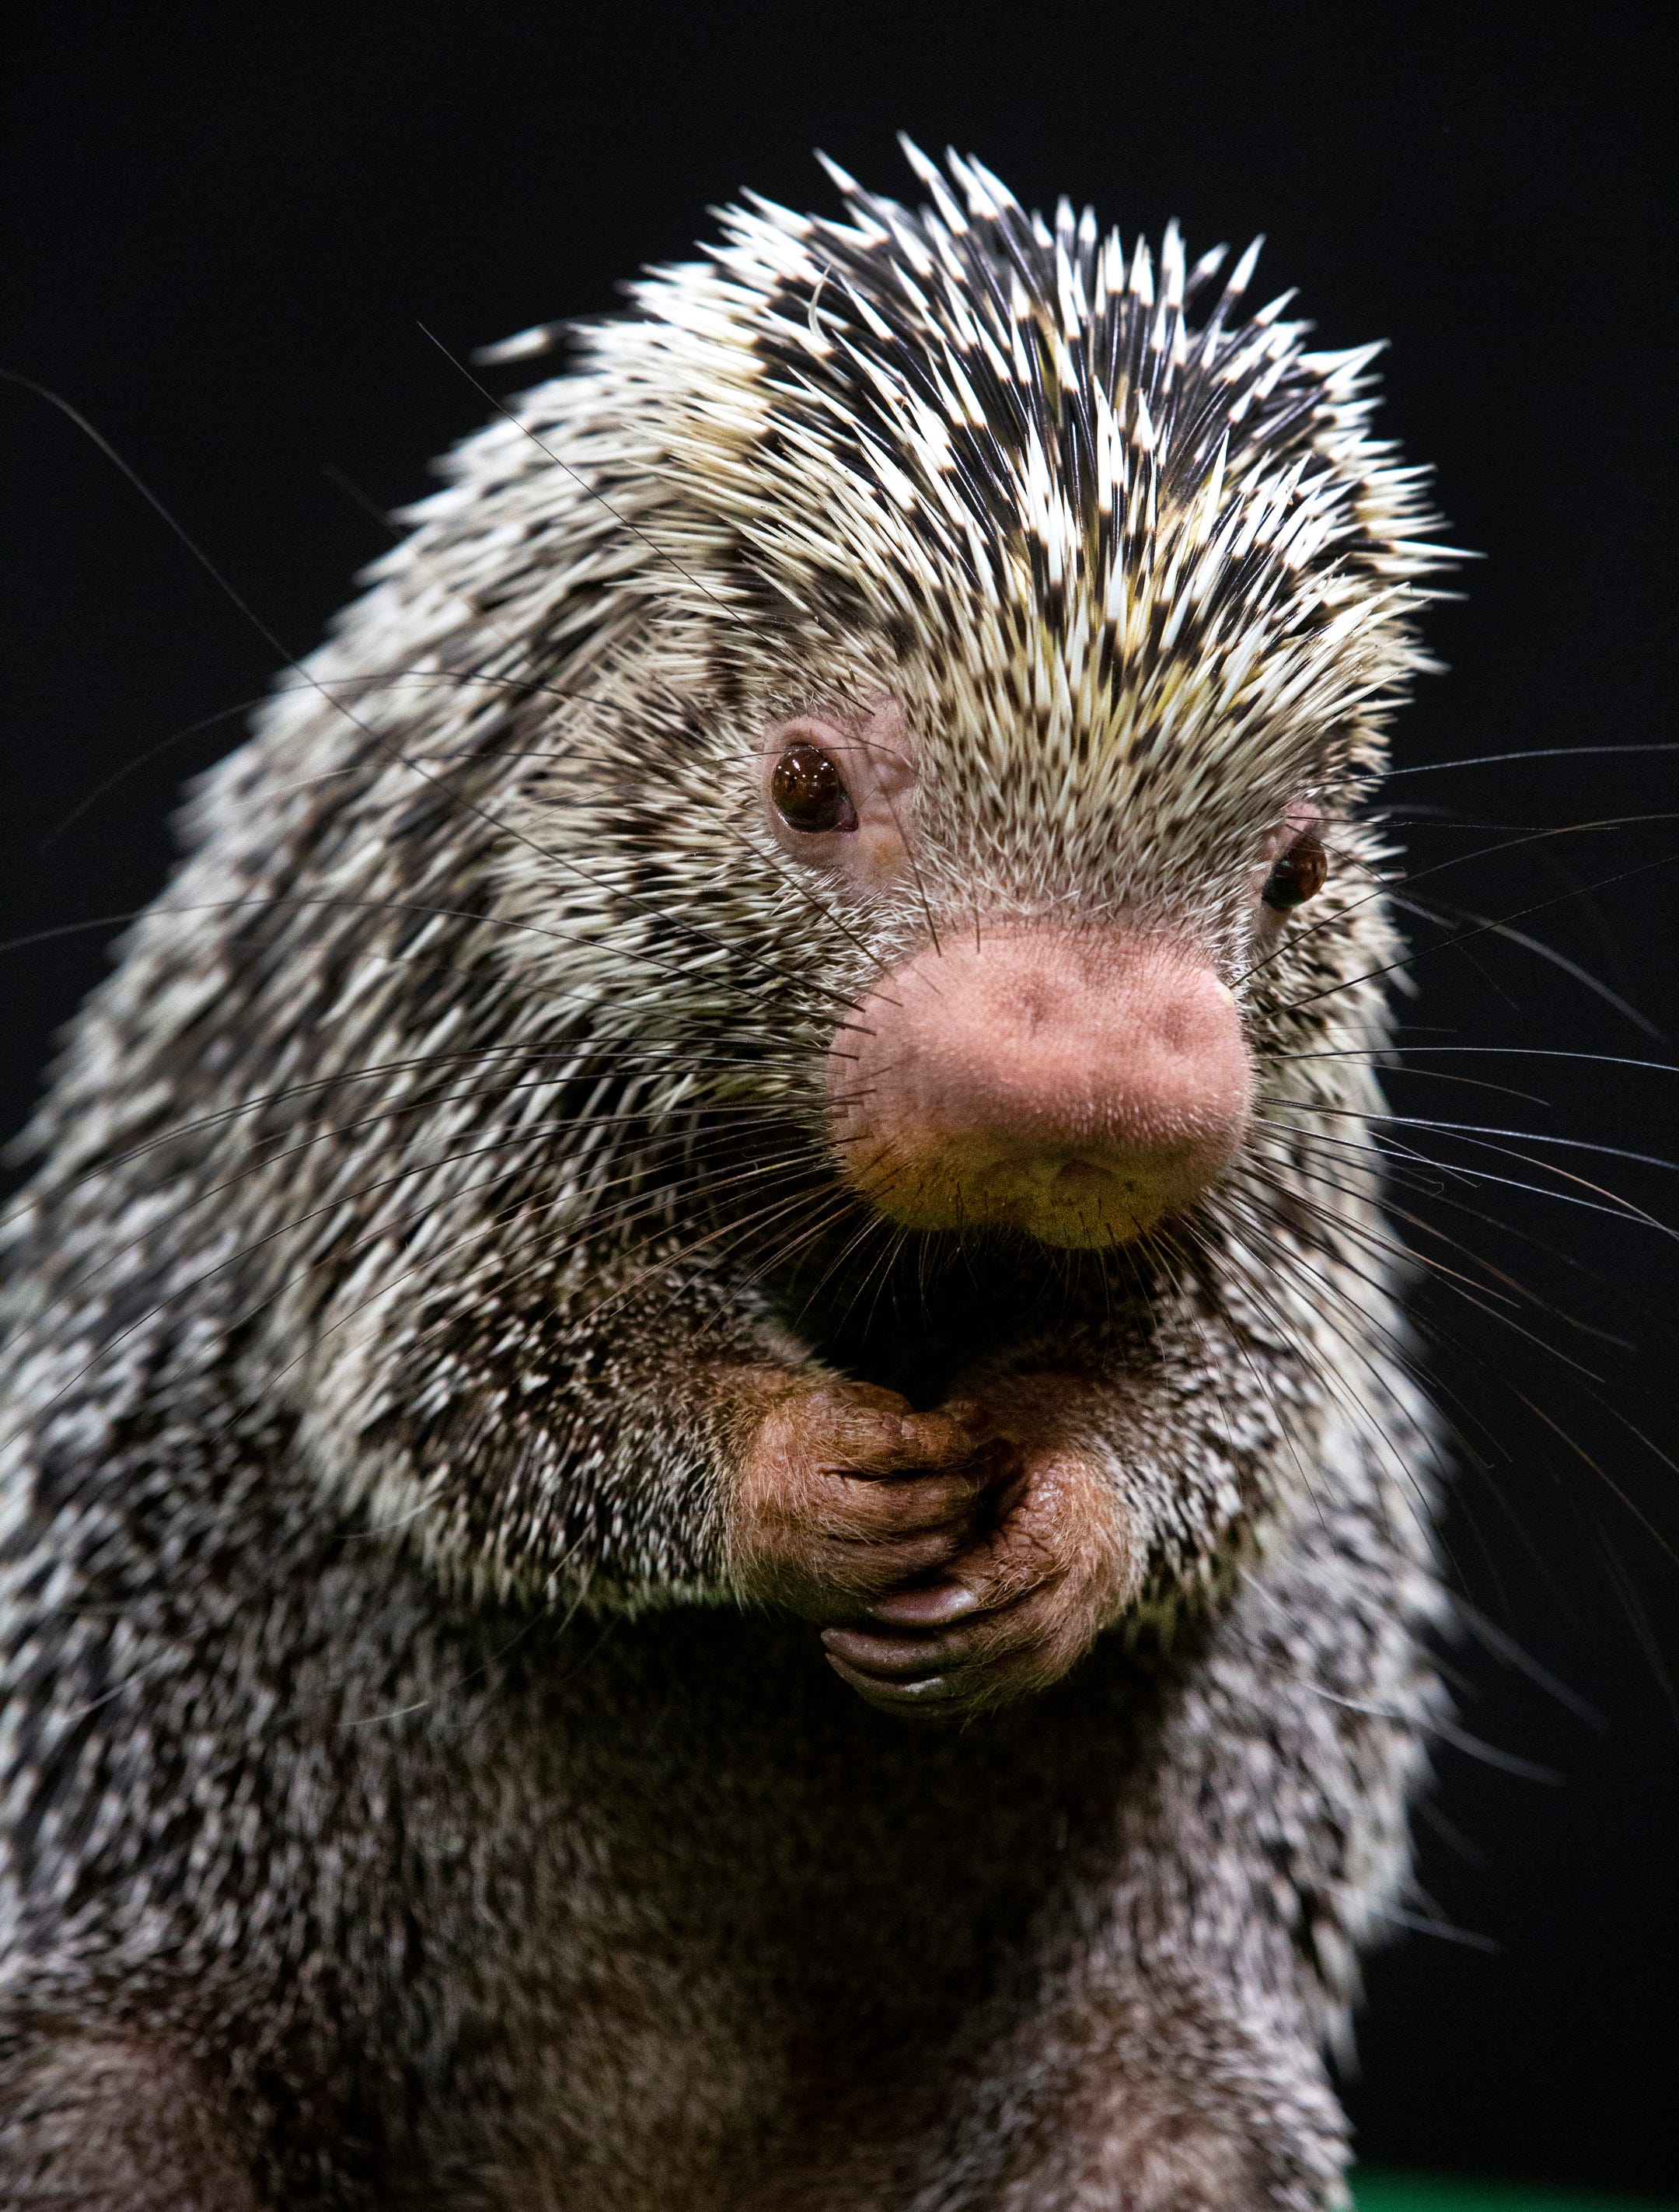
(231, 225)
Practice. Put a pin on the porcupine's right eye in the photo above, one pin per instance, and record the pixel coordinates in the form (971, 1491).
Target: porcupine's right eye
(809, 793)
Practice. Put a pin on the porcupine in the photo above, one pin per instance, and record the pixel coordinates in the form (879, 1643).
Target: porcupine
(733, 1137)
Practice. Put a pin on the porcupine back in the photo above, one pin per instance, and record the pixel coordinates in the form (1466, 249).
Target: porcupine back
(480, 986)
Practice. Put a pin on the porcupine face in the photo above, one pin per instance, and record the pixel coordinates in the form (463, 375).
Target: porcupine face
(1073, 1075)
(1048, 614)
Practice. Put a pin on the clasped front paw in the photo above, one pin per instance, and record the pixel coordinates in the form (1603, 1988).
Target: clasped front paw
(956, 1560)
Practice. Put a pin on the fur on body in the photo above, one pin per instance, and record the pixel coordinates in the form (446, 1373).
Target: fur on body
(425, 1781)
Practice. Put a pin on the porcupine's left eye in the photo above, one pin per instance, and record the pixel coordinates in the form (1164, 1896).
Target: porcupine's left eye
(1299, 874)
(808, 792)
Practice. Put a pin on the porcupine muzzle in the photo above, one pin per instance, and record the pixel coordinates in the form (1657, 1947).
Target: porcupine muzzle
(1075, 1085)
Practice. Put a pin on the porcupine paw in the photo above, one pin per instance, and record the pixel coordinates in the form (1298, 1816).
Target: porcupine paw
(1045, 1565)
(846, 1495)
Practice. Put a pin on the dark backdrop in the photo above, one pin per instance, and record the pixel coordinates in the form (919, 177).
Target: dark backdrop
(231, 225)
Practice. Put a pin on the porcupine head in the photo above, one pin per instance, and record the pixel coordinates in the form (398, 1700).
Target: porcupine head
(880, 721)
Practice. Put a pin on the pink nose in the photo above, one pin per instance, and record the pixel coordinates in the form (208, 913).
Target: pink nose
(1075, 1085)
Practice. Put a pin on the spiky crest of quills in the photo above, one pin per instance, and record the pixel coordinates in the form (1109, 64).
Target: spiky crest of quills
(1136, 540)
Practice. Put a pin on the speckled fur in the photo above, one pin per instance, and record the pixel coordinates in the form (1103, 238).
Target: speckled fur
(401, 1807)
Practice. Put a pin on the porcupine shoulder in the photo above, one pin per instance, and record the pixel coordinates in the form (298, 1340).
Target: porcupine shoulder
(717, 1149)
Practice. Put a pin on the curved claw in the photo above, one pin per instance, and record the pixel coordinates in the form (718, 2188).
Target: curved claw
(936, 1607)
(889, 1660)
(930, 1693)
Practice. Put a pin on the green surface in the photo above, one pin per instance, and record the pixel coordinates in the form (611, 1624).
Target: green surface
(1397, 2192)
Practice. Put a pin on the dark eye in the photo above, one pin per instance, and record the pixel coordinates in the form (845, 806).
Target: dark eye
(808, 791)
(1299, 875)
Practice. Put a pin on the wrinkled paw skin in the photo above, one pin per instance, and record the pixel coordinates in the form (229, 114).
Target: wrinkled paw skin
(848, 1495)
(956, 1560)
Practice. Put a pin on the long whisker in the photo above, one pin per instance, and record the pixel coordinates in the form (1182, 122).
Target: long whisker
(575, 1056)
(749, 1112)
(1537, 945)
(660, 552)
(1617, 1203)
(382, 1230)
(1541, 752)
(1523, 1051)
(1459, 1205)
(1351, 1342)
(1590, 1378)
(391, 750)
(1382, 886)
(525, 686)
(1268, 1385)
(512, 922)
(1487, 928)
(1374, 1057)
(508, 1278)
